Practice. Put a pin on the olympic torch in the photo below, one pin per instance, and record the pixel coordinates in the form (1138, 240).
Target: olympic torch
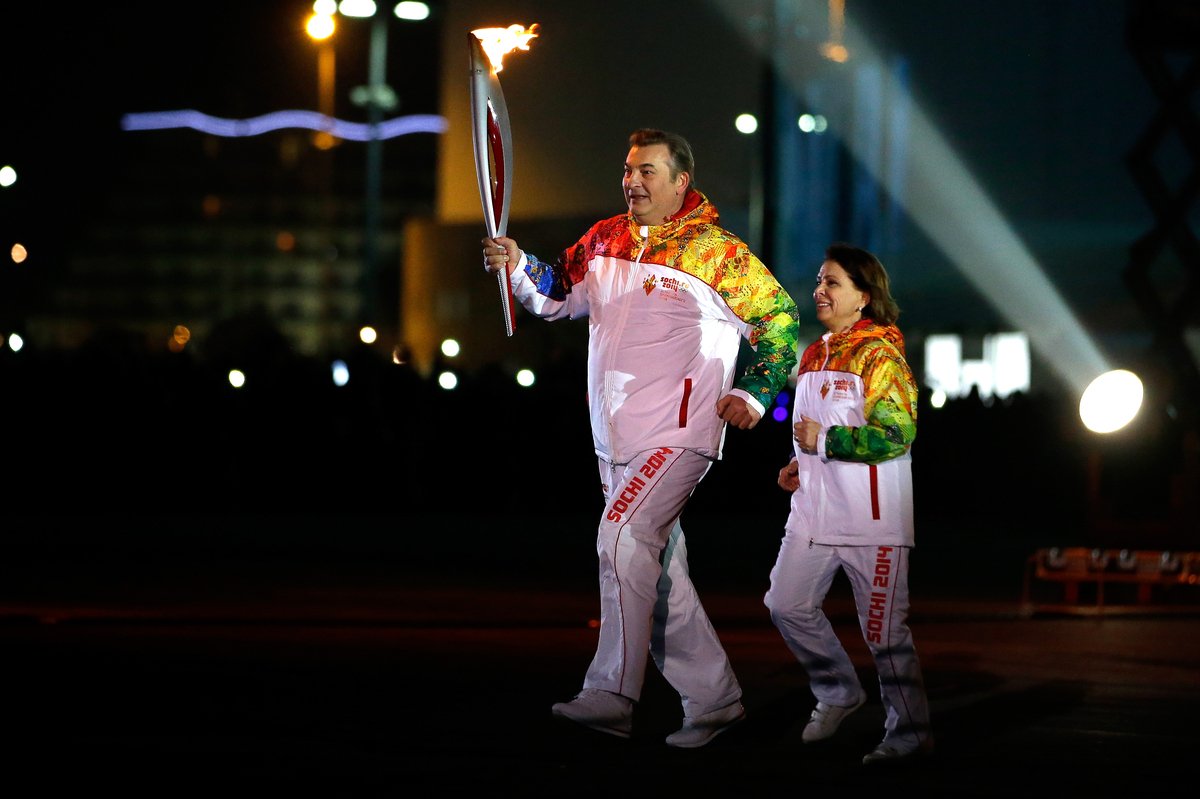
(492, 137)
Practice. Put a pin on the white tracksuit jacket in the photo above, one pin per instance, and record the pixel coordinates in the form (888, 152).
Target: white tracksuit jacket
(667, 306)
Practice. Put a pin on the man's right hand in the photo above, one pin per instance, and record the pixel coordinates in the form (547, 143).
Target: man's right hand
(499, 253)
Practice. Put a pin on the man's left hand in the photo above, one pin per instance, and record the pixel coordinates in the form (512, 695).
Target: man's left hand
(737, 412)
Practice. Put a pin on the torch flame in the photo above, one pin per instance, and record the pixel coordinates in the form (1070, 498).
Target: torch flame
(499, 41)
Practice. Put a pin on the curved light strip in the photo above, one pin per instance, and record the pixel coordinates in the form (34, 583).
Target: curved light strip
(354, 131)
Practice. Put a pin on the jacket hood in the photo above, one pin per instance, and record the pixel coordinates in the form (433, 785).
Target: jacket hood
(866, 329)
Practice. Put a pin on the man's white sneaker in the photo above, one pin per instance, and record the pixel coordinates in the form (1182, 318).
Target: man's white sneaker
(600, 710)
(890, 752)
(825, 719)
(702, 729)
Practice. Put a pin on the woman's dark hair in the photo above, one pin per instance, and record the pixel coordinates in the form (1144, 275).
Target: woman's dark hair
(677, 147)
(867, 274)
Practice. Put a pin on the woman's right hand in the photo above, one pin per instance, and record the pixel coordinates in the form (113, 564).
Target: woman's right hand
(789, 476)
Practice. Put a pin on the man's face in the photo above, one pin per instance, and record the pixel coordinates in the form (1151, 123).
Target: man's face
(652, 195)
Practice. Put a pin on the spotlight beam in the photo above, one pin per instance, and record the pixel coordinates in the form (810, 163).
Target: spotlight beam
(949, 205)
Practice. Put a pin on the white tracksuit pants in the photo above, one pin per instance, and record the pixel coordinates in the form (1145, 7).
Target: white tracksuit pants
(647, 601)
(801, 578)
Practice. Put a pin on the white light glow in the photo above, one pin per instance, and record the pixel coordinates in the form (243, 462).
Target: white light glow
(450, 348)
(1008, 355)
(237, 378)
(15, 342)
(357, 8)
(8, 176)
(368, 334)
(526, 378)
(414, 12)
(1111, 401)
(320, 26)
(1003, 370)
(340, 372)
(943, 364)
(448, 380)
(978, 375)
(746, 123)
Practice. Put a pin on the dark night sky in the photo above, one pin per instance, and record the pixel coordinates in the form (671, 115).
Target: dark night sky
(67, 85)
(1041, 99)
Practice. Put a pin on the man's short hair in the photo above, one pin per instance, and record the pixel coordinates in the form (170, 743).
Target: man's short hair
(677, 147)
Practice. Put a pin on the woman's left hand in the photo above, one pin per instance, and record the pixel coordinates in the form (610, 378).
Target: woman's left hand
(789, 476)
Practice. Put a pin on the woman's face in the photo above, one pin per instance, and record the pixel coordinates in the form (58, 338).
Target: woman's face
(838, 301)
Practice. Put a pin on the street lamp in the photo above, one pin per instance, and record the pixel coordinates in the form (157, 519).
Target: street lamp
(377, 97)
(320, 28)
(747, 125)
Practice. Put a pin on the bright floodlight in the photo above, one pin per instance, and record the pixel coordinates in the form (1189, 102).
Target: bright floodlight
(1111, 401)
(357, 8)
(746, 123)
(237, 378)
(411, 11)
(320, 26)
(526, 378)
(8, 176)
(368, 334)
(450, 348)
(448, 380)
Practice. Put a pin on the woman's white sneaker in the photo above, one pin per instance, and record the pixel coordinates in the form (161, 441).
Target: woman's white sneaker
(825, 719)
(702, 729)
(891, 752)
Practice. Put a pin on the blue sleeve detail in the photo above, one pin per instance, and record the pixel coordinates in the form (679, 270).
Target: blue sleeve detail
(545, 280)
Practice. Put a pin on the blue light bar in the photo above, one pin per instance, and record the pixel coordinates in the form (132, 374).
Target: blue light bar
(277, 120)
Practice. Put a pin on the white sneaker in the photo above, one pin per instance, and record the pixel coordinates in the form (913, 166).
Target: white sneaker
(825, 719)
(600, 710)
(702, 729)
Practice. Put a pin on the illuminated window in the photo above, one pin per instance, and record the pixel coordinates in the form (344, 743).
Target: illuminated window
(1003, 370)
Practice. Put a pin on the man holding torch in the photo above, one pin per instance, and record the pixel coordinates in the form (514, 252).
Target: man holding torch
(669, 295)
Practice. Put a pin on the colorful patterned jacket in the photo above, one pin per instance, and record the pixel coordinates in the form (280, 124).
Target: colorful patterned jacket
(857, 489)
(667, 307)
